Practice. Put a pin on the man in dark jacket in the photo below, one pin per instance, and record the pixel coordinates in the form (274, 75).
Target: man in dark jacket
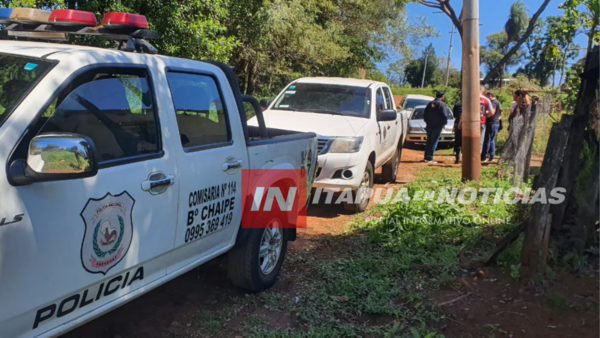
(435, 119)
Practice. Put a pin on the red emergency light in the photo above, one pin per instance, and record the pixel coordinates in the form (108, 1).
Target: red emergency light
(122, 20)
(72, 17)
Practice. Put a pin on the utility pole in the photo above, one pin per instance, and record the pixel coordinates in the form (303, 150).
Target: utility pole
(449, 56)
(424, 69)
(471, 164)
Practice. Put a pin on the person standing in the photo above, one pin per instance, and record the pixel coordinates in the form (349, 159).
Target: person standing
(521, 106)
(435, 120)
(491, 129)
(457, 131)
(486, 108)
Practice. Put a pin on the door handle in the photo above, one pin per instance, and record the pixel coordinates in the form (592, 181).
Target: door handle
(159, 180)
(231, 165)
(389, 127)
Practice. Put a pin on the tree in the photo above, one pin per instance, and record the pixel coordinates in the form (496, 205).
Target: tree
(396, 73)
(439, 77)
(414, 70)
(519, 39)
(517, 22)
(269, 42)
(377, 75)
(493, 51)
(445, 7)
(548, 49)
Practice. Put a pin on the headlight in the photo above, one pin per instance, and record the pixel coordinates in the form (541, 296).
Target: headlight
(415, 129)
(346, 144)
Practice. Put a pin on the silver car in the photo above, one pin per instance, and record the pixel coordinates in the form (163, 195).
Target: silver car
(416, 127)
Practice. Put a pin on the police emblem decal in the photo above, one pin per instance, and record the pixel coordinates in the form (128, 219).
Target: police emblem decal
(108, 231)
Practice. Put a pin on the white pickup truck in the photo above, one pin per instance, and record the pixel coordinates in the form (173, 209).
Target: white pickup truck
(358, 127)
(122, 171)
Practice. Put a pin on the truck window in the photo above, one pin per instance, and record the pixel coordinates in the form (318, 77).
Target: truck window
(200, 110)
(412, 103)
(115, 110)
(388, 98)
(379, 102)
(18, 75)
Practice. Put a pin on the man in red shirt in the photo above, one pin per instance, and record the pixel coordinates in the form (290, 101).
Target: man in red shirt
(486, 110)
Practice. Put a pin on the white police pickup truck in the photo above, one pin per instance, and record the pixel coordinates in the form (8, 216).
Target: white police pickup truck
(121, 171)
(358, 127)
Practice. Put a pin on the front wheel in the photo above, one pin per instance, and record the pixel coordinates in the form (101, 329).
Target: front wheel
(389, 171)
(362, 196)
(255, 264)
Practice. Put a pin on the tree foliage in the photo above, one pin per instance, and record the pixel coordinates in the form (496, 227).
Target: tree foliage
(415, 68)
(517, 21)
(493, 51)
(498, 70)
(270, 42)
(548, 50)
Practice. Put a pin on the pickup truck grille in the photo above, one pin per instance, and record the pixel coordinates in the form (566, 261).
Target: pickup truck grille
(323, 144)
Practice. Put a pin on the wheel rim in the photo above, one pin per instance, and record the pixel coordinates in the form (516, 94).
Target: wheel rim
(363, 190)
(270, 247)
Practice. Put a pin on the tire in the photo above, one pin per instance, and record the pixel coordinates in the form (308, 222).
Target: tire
(246, 269)
(356, 208)
(389, 171)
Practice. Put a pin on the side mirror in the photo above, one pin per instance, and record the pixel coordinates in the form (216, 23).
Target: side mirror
(264, 103)
(387, 115)
(56, 157)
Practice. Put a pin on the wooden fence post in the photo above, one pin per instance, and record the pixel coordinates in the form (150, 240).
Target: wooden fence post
(585, 98)
(532, 246)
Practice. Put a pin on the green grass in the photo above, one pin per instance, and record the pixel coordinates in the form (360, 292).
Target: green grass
(210, 322)
(555, 301)
(381, 279)
(379, 284)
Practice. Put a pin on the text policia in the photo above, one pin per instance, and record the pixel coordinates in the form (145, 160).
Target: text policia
(211, 209)
(88, 296)
(444, 195)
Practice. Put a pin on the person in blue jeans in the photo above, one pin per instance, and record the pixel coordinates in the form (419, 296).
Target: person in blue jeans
(491, 129)
(435, 120)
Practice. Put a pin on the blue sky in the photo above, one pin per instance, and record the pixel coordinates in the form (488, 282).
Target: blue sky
(493, 15)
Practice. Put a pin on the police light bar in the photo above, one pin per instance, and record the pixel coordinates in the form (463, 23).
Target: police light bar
(72, 17)
(124, 20)
(5, 15)
(29, 15)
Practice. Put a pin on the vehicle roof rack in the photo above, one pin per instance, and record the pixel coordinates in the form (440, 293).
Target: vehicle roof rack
(129, 30)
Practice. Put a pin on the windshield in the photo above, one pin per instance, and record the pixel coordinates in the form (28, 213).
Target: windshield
(18, 75)
(326, 99)
(419, 113)
(412, 103)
